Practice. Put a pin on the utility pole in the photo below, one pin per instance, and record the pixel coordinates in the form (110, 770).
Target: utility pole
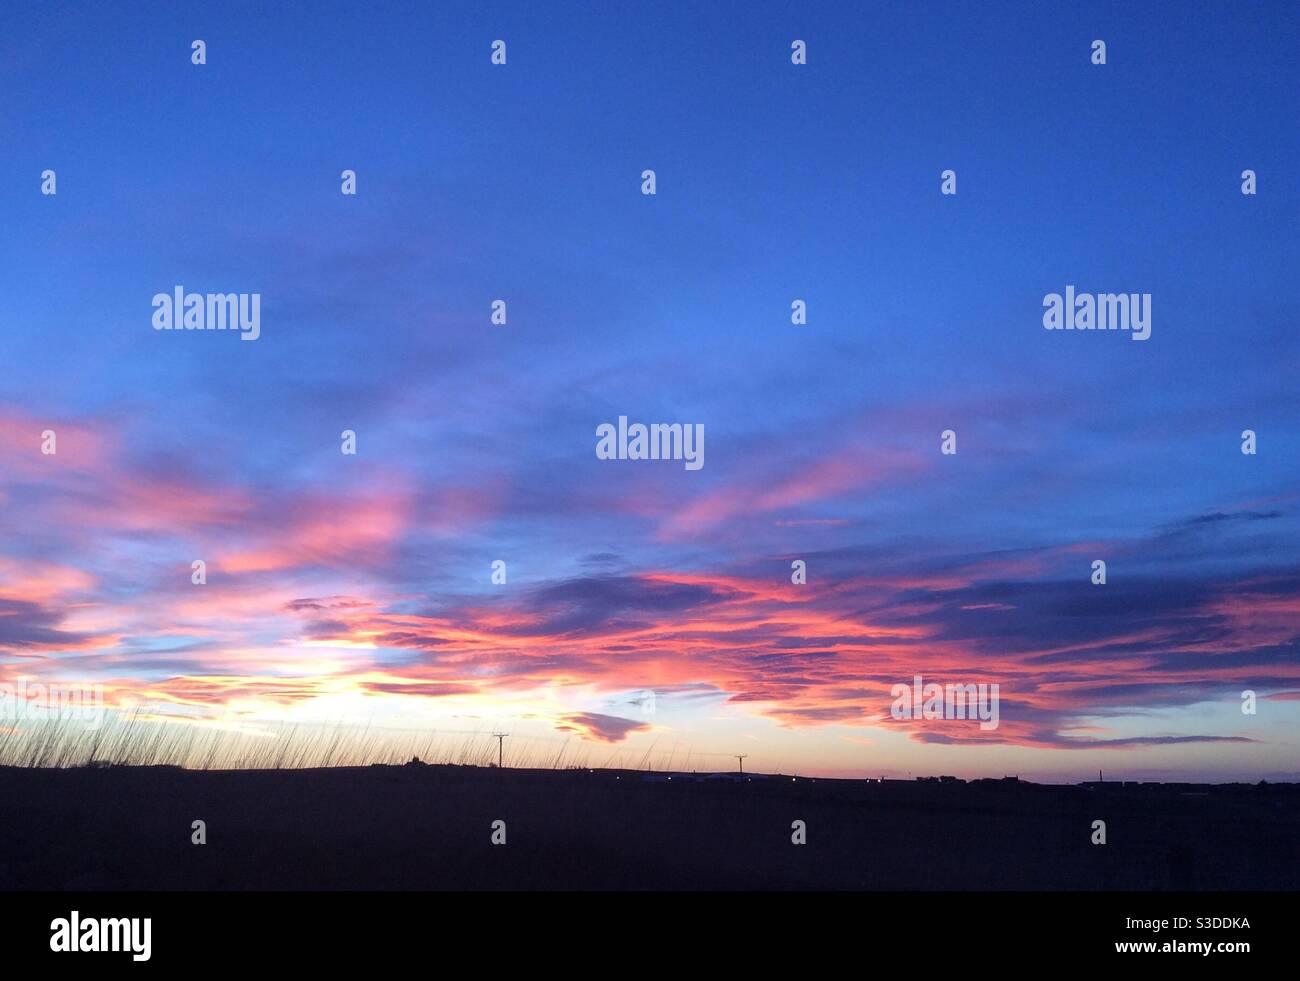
(500, 737)
(741, 760)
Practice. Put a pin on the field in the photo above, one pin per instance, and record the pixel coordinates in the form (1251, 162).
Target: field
(430, 827)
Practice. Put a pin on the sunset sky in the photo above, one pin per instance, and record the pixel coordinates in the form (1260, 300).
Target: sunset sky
(356, 589)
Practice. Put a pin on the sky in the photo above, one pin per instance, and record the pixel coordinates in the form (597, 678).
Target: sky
(649, 615)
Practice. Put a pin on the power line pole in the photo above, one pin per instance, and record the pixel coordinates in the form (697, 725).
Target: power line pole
(741, 760)
(500, 737)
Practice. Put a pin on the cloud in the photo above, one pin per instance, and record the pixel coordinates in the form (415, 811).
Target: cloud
(602, 728)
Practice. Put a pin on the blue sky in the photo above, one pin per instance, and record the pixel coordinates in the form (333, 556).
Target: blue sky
(775, 182)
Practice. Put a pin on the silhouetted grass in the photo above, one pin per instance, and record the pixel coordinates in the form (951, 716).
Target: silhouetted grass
(135, 740)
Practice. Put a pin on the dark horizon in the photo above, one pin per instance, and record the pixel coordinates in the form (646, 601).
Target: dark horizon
(437, 828)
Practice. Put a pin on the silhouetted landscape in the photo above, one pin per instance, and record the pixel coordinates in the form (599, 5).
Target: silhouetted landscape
(429, 827)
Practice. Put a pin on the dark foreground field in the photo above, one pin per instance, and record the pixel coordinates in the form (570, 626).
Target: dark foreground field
(430, 828)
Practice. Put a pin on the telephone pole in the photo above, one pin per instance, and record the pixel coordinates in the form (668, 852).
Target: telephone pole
(500, 738)
(741, 760)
